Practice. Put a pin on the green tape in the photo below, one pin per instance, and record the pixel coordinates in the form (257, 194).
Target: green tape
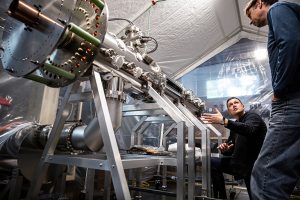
(58, 71)
(83, 34)
(99, 4)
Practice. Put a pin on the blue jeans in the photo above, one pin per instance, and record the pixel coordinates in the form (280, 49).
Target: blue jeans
(276, 171)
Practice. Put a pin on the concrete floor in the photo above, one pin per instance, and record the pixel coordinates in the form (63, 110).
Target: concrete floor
(240, 194)
(239, 189)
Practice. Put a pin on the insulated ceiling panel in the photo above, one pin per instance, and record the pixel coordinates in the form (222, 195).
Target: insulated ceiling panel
(129, 9)
(189, 32)
(185, 30)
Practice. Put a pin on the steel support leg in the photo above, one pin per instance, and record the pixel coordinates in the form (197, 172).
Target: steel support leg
(109, 139)
(180, 183)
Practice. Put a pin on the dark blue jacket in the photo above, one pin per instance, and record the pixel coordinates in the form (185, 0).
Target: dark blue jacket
(284, 48)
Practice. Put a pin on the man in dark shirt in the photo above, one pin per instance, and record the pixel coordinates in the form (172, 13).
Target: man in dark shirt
(242, 147)
(277, 168)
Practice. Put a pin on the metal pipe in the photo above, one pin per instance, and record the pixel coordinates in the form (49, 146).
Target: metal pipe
(112, 42)
(31, 16)
(126, 77)
(73, 137)
(115, 110)
(115, 98)
(87, 137)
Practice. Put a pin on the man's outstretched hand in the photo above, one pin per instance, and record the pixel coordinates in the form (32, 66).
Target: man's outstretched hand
(215, 118)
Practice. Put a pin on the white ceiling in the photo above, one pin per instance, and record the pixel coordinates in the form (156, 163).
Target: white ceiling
(189, 32)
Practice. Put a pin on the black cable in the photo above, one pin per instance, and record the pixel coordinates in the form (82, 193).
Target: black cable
(143, 37)
(154, 40)
(115, 19)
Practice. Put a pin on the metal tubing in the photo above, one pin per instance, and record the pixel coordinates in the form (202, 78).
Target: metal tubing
(31, 17)
(161, 135)
(115, 111)
(134, 83)
(92, 137)
(115, 97)
(83, 34)
(111, 42)
(58, 71)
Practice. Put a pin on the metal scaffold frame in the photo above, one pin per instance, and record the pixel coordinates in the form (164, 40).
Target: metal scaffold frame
(114, 162)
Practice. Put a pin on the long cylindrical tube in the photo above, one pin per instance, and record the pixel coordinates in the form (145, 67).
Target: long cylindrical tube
(137, 85)
(115, 98)
(120, 48)
(111, 42)
(83, 34)
(31, 16)
(73, 137)
(88, 137)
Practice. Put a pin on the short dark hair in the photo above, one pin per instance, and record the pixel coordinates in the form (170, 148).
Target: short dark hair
(231, 99)
(251, 3)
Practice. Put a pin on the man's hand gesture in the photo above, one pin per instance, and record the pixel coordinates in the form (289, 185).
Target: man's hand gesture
(215, 118)
(225, 147)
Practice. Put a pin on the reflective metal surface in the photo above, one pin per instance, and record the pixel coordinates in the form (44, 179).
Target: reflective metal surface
(56, 43)
(92, 137)
(39, 44)
(23, 44)
(74, 54)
